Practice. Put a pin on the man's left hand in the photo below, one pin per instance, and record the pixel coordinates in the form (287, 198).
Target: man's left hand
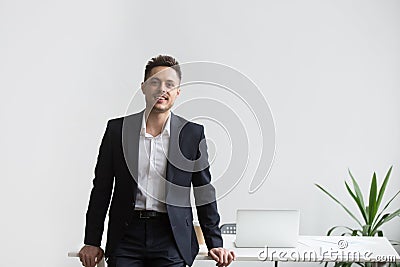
(222, 256)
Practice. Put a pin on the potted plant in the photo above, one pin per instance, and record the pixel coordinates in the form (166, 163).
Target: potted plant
(373, 216)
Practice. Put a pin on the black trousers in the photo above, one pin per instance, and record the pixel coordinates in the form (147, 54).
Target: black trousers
(147, 242)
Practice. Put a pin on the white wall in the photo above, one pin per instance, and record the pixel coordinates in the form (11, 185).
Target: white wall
(329, 70)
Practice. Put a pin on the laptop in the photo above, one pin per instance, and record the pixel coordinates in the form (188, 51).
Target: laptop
(267, 228)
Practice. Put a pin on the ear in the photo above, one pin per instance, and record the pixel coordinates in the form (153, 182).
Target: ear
(178, 90)
(142, 87)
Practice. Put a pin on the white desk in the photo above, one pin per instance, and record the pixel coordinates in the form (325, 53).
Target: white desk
(312, 249)
(317, 249)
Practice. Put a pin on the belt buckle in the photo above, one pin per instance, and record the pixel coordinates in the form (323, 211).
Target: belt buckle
(142, 216)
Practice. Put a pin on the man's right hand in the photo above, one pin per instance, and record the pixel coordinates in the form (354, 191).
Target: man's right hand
(90, 255)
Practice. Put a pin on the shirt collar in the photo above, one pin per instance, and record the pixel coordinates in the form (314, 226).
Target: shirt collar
(165, 131)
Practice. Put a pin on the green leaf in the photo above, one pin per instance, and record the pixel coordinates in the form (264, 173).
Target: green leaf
(386, 206)
(380, 233)
(366, 229)
(372, 200)
(338, 226)
(337, 201)
(391, 216)
(375, 228)
(358, 191)
(383, 188)
(385, 219)
(358, 201)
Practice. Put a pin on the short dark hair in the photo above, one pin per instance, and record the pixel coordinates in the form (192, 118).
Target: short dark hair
(162, 60)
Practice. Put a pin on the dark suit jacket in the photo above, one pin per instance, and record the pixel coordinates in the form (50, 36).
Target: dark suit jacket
(116, 176)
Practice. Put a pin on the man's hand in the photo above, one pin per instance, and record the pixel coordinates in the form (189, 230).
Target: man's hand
(90, 255)
(222, 256)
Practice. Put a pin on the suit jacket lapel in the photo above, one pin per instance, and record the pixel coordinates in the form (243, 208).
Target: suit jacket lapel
(130, 142)
(174, 145)
(176, 195)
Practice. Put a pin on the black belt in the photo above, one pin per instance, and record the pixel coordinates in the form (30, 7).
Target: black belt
(147, 214)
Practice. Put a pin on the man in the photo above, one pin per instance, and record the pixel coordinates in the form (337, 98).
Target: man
(147, 162)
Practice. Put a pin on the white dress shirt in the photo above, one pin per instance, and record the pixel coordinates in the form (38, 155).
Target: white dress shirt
(152, 167)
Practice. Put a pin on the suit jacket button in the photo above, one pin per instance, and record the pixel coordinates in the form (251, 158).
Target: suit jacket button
(126, 224)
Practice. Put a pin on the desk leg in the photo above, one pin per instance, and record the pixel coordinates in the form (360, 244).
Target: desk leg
(276, 263)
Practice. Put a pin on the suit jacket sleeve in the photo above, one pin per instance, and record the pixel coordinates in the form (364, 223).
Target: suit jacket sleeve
(205, 198)
(101, 192)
